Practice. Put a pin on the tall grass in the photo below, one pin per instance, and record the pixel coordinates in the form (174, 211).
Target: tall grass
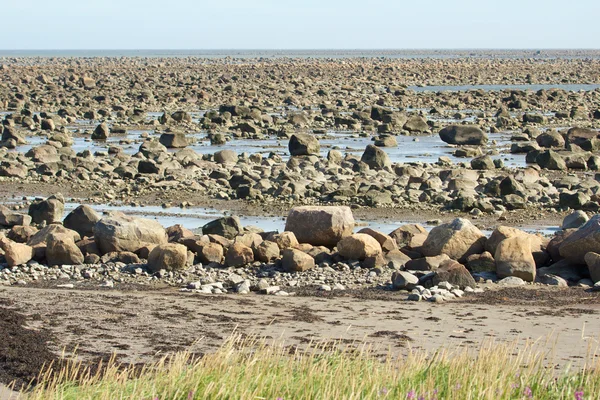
(256, 369)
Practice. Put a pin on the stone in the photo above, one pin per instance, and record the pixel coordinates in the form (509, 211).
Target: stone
(586, 239)
(402, 280)
(101, 132)
(386, 242)
(284, 240)
(457, 239)
(211, 253)
(120, 232)
(296, 261)
(514, 258)
(238, 255)
(173, 140)
(375, 158)
(320, 225)
(358, 247)
(228, 227)
(411, 235)
(501, 233)
(267, 251)
(592, 260)
(575, 220)
(483, 262)
(10, 218)
(551, 160)
(15, 253)
(303, 145)
(226, 157)
(82, 220)
(49, 210)
(426, 263)
(483, 163)
(167, 256)
(62, 250)
(463, 135)
(178, 232)
(455, 274)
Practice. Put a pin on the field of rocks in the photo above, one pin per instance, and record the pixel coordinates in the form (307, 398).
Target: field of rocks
(388, 180)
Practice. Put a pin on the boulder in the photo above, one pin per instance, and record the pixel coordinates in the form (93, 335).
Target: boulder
(402, 280)
(210, 253)
(375, 158)
(10, 218)
(101, 132)
(238, 255)
(358, 247)
(586, 239)
(62, 250)
(296, 261)
(226, 157)
(592, 261)
(386, 242)
(457, 239)
(575, 220)
(284, 240)
(426, 263)
(120, 232)
(551, 160)
(303, 145)
(15, 253)
(168, 256)
(173, 140)
(455, 274)
(49, 210)
(463, 135)
(320, 226)
(267, 251)
(228, 227)
(514, 258)
(82, 220)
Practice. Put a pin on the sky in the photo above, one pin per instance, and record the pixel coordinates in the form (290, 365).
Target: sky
(301, 24)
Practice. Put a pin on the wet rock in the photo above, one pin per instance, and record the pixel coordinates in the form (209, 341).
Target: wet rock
(167, 256)
(457, 239)
(358, 247)
(303, 145)
(320, 226)
(375, 158)
(82, 220)
(296, 261)
(173, 140)
(228, 227)
(49, 210)
(120, 232)
(102, 132)
(463, 135)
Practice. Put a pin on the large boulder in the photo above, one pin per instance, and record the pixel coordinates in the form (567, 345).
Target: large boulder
(375, 158)
(359, 247)
(10, 218)
(403, 280)
(454, 273)
(120, 232)
(15, 253)
(514, 258)
(537, 247)
(169, 256)
(296, 261)
(551, 160)
(586, 239)
(228, 227)
(238, 255)
(320, 226)
(457, 239)
(267, 251)
(463, 135)
(49, 210)
(82, 220)
(62, 250)
(593, 263)
(226, 157)
(386, 241)
(173, 140)
(582, 137)
(303, 145)
(102, 132)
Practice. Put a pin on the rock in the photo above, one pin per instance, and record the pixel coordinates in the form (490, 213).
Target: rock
(375, 158)
(575, 220)
(411, 235)
(151, 148)
(266, 251)
(514, 258)
(320, 226)
(463, 135)
(120, 232)
(386, 141)
(402, 280)
(457, 239)
(296, 261)
(426, 263)
(303, 145)
(483, 262)
(573, 200)
(167, 256)
(178, 232)
(416, 123)
(62, 250)
(511, 281)
(586, 239)
(583, 137)
(21, 234)
(228, 227)
(82, 220)
(504, 232)
(10, 218)
(550, 139)
(483, 163)
(101, 132)
(454, 273)
(386, 242)
(211, 253)
(49, 210)
(226, 157)
(551, 160)
(238, 255)
(15, 253)
(173, 140)
(358, 247)
(284, 240)
(592, 261)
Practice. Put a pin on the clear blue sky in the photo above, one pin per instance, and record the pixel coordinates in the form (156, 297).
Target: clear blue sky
(301, 24)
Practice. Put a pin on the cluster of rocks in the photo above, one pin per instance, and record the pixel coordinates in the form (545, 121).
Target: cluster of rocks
(318, 247)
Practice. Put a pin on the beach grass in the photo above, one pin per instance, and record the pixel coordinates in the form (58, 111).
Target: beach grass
(245, 368)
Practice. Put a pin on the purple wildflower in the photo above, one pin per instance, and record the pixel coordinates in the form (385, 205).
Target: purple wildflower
(383, 391)
(579, 395)
(528, 392)
(411, 394)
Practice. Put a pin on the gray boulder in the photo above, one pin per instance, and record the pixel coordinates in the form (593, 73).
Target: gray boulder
(463, 135)
(303, 145)
(82, 220)
(320, 226)
(120, 232)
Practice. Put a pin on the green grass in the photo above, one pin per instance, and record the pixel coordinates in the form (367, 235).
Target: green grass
(252, 369)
